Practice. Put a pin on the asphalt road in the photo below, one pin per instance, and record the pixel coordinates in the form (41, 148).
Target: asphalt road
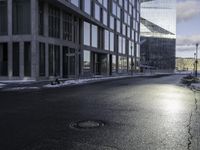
(138, 114)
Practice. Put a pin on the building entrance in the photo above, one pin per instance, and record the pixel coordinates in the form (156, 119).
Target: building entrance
(69, 62)
(100, 64)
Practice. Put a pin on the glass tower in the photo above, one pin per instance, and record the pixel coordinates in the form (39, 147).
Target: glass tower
(158, 33)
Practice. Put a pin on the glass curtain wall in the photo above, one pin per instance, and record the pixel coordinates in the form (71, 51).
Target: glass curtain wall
(3, 17)
(3, 59)
(21, 17)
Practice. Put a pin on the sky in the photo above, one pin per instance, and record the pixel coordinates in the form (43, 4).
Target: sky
(188, 27)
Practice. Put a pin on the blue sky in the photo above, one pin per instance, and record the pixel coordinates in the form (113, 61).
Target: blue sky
(188, 27)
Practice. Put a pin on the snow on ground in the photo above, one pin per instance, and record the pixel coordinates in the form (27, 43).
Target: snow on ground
(81, 81)
(195, 86)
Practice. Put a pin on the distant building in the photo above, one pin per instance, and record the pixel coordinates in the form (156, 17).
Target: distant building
(186, 64)
(158, 34)
(41, 39)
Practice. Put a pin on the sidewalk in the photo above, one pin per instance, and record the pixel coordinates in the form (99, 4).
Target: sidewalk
(15, 85)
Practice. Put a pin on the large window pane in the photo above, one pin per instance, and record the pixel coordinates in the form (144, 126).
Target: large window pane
(111, 41)
(94, 36)
(97, 12)
(75, 2)
(15, 59)
(54, 60)
(67, 26)
(41, 18)
(87, 6)
(27, 59)
(114, 63)
(42, 59)
(86, 34)
(3, 59)
(3, 17)
(106, 40)
(105, 18)
(21, 17)
(54, 22)
(86, 60)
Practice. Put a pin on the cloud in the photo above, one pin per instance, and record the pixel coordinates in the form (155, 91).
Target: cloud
(188, 40)
(188, 9)
(187, 44)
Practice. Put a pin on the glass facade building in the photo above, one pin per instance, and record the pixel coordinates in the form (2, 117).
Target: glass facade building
(42, 39)
(158, 34)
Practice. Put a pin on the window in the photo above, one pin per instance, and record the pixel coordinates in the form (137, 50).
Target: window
(3, 18)
(15, 58)
(118, 26)
(114, 8)
(106, 40)
(54, 60)
(122, 64)
(3, 59)
(87, 6)
(105, 3)
(112, 22)
(97, 12)
(94, 36)
(41, 18)
(118, 12)
(125, 5)
(42, 59)
(121, 45)
(86, 34)
(21, 17)
(114, 63)
(124, 29)
(75, 2)
(105, 19)
(124, 45)
(86, 60)
(27, 59)
(54, 22)
(67, 27)
(111, 41)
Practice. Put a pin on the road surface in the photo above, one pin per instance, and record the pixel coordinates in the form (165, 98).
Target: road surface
(138, 114)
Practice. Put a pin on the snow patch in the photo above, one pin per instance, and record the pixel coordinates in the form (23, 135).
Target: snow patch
(82, 81)
(195, 86)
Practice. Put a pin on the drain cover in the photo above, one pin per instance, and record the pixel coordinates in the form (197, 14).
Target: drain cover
(87, 124)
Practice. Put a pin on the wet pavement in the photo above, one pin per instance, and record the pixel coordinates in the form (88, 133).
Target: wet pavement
(137, 113)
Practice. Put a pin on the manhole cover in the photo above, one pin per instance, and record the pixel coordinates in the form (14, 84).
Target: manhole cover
(87, 124)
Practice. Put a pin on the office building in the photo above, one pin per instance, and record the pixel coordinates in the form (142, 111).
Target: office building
(42, 39)
(158, 34)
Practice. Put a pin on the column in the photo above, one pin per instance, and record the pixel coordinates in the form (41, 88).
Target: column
(10, 72)
(46, 60)
(34, 32)
(21, 60)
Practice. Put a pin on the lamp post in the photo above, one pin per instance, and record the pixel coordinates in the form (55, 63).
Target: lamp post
(196, 62)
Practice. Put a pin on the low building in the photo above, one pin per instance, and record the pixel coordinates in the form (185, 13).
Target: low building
(42, 39)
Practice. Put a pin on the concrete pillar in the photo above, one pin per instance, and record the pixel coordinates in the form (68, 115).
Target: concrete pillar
(21, 60)
(61, 36)
(46, 60)
(10, 68)
(61, 62)
(10, 60)
(34, 32)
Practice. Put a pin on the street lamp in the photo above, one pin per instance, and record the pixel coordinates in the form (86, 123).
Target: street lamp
(196, 62)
